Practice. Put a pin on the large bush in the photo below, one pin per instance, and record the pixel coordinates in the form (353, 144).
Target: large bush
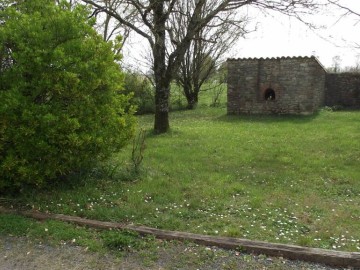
(61, 108)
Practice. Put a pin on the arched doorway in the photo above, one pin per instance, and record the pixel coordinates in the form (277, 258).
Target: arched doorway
(269, 94)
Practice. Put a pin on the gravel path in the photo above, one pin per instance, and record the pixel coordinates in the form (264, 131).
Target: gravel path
(19, 253)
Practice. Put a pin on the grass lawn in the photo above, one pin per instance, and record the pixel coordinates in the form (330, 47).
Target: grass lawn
(286, 179)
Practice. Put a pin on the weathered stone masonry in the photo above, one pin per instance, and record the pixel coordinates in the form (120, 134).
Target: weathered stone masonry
(287, 85)
(343, 89)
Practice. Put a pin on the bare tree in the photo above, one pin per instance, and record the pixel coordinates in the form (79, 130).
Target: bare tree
(110, 28)
(347, 11)
(206, 49)
(336, 64)
(106, 25)
(357, 63)
(151, 20)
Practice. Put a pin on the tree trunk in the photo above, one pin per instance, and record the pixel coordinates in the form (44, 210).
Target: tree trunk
(161, 76)
(161, 124)
(162, 90)
(192, 100)
(191, 95)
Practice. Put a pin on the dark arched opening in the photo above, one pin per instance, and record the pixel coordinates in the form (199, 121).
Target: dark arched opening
(269, 94)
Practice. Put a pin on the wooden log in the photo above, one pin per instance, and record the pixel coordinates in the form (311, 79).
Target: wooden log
(323, 256)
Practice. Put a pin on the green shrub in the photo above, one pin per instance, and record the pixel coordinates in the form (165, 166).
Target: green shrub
(61, 108)
(142, 90)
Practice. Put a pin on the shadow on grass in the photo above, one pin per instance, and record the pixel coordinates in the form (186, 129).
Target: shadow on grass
(172, 132)
(262, 118)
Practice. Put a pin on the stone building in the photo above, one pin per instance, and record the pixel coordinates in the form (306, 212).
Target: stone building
(287, 85)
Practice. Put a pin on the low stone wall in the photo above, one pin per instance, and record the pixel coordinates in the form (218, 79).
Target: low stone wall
(342, 89)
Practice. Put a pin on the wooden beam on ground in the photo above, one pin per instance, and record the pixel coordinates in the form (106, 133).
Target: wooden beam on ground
(323, 256)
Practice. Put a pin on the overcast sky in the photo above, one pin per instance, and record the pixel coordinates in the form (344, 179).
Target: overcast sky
(278, 35)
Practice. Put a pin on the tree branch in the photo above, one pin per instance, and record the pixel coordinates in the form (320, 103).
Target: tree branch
(114, 14)
(349, 11)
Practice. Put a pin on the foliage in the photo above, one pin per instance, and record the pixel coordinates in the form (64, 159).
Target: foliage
(61, 109)
(222, 73)
(142, 91)
(217, 93)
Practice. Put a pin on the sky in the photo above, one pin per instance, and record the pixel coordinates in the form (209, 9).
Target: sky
(278, 35)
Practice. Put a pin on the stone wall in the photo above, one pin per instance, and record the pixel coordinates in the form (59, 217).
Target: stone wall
(343, 89)
(276, 85)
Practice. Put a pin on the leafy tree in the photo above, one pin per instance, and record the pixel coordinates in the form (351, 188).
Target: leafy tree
(61, 109)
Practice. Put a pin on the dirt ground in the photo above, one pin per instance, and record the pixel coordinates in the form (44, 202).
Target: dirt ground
(19, 253)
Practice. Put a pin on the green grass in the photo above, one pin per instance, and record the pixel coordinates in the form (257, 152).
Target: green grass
(60, 233)
(53, 232)
(211, 94)
(286, 179)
